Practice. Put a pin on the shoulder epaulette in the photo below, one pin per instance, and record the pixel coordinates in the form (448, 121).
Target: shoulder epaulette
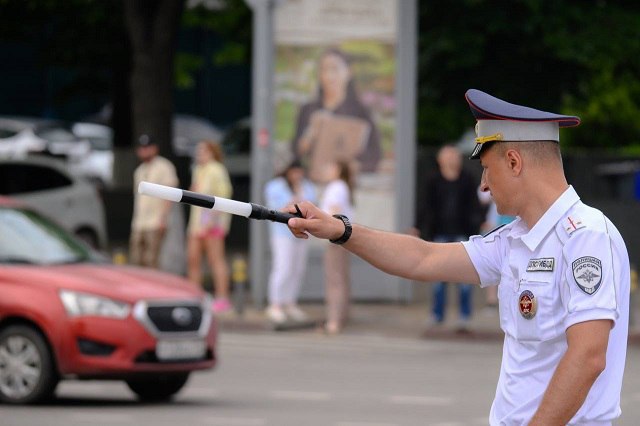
(572, 223)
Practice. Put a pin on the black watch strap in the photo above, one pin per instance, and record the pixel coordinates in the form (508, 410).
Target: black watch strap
(347, 229)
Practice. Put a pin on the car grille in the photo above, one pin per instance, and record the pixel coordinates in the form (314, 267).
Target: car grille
(175, 318)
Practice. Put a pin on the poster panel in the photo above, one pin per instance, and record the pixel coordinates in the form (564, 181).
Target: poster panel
(334, 94)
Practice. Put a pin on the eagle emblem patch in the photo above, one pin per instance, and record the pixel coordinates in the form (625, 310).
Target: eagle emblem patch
(528, 304)
(587, 272)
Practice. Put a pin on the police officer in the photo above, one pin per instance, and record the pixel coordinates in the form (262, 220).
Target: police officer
(561, 268)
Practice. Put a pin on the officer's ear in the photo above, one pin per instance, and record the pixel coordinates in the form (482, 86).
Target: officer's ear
(513, 157)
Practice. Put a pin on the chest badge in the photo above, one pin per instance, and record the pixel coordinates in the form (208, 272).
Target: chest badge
(528, 304)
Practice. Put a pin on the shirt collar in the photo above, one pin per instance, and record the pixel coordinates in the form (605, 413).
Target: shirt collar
(549, 220)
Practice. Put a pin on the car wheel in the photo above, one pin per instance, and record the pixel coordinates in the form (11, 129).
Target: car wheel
(27, 373)
(159, 388)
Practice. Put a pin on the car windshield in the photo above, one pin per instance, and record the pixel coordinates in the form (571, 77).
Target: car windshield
(28, 238)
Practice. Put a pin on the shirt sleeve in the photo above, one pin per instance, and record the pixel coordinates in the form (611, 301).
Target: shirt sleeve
(277, 194)
(486, 254)
(590, 290)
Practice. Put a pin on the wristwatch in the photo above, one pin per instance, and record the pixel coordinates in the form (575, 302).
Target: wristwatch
(347, 230)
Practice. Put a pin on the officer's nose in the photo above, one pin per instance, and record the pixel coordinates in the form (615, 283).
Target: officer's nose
(484, 187)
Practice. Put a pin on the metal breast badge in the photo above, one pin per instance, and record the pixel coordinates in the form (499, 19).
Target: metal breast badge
(528, 304)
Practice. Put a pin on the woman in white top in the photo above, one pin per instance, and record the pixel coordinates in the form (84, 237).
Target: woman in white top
(337, 199)
(289, 254)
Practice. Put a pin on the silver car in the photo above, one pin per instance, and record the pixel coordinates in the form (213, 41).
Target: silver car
(18, 137)
(44, 184)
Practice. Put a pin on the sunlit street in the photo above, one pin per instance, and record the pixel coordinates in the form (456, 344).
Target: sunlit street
(308, 379)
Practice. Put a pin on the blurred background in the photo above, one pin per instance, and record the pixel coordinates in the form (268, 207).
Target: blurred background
(75, 75)
(81, 79)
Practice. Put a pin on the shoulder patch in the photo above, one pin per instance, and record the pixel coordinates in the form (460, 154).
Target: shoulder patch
(572, 224)
(494, 230)
(587, 272)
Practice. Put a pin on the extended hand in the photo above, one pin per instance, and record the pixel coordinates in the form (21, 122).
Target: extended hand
(314, 221)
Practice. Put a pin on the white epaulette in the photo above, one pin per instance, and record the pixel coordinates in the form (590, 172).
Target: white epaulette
(572, 223)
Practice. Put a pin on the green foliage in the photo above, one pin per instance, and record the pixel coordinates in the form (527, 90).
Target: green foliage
(570, 56)
(577, 57)
(88, 38)
(73, 39)
(231, 53)
(231, 23)
(185, 65)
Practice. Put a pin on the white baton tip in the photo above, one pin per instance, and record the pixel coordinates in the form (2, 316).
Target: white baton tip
(160, 191)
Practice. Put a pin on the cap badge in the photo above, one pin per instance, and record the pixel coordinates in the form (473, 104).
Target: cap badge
(489, 138)
(528, 304)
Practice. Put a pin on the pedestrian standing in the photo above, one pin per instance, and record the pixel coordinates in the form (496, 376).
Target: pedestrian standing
(450, 212)
(150, 215)
(337, 199)
(289, 255)
(207, 229)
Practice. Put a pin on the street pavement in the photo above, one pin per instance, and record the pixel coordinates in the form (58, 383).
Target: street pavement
(392, 320)
(382, 371)
(364, 377)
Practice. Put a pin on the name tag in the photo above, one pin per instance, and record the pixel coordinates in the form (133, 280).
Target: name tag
(541, 265)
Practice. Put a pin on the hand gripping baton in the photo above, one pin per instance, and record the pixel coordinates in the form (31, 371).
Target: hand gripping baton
(250, 210)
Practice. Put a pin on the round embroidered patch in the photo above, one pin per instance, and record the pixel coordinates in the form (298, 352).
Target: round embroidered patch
(587, 271)
(528, 304)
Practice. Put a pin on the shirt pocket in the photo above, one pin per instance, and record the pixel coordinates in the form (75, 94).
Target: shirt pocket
(535, 312)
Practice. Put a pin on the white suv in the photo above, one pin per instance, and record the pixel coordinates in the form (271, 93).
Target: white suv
(44, 184)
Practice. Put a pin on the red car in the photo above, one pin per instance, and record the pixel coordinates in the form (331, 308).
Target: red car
(67, 313)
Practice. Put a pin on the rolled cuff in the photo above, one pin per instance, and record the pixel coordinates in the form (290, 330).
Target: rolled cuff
(590, 315)
(474, 253)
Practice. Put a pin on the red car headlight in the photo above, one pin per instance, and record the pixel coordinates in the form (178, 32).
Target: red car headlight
(85, 304)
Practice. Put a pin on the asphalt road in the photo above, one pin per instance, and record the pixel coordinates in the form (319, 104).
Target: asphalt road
(304, 378)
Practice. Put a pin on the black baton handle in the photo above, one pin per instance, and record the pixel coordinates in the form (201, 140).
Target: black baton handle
(262, 213)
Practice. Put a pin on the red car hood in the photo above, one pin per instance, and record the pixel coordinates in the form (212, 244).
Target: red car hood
(125, 283)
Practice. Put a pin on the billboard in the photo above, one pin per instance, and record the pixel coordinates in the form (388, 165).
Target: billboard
(334, 95)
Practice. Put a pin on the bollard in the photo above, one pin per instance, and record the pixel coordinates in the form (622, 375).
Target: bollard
(119, 257)
(239, 280)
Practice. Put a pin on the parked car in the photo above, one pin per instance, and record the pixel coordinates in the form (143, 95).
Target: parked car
(236, 144)
(21, 136)
(18, 137)
(97, 165)
(44, 183)
(65, 313)
(188, 130)
(85, 147)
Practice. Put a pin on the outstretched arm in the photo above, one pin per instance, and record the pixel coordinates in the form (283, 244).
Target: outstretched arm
(402, 255)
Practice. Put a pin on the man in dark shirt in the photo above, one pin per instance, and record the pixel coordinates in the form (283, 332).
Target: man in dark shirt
(450, 212)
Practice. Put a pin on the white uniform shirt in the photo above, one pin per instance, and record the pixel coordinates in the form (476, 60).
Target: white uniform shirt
(571, 267)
